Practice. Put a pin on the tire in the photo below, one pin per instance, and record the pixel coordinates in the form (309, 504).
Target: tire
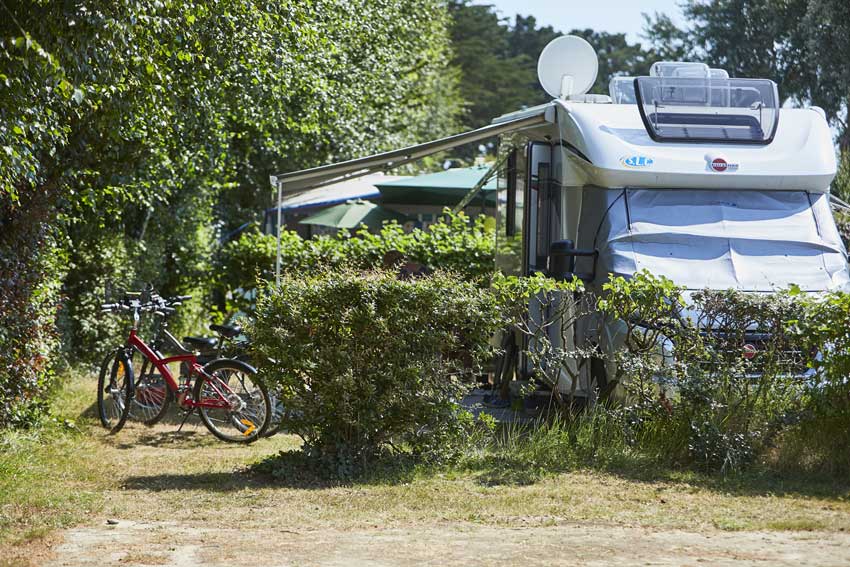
(152, 396)
(250, 421)
(277, 415)
(115, 391)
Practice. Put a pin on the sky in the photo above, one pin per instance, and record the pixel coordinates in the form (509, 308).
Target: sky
(613, 16)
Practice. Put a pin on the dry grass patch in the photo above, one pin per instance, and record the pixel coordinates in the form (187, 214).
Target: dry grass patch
(61, 477)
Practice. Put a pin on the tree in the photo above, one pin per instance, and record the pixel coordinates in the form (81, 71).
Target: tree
(498, 61)
(827, 32)
(143, 128)
(494, 80)
(617, 57)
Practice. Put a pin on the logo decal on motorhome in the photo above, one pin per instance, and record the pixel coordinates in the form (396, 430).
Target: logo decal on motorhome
(637, 161)
(720, 165)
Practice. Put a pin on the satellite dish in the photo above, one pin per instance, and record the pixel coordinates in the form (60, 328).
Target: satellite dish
(567, 66)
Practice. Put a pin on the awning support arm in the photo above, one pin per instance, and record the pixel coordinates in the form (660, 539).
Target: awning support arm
(494, 169)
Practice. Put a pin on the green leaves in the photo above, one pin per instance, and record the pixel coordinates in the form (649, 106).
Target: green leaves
(456, 243)
(153, 125)
(367, 362)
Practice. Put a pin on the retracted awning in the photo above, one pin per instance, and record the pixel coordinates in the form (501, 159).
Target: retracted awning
(299, 181)
(326, 174)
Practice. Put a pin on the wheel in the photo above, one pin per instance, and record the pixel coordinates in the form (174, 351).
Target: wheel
(277, 414)
(152, 396)
(249, 408)
(114, 391)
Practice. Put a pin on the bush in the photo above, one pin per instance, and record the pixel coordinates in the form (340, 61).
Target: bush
(456, 243)
(31, 264)
(98, 272)
(556, 308)
(823, 434)
(707, 401)
(367, 363)
(687, 393)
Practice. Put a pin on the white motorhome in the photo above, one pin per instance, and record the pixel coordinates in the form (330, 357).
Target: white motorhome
(687, 173)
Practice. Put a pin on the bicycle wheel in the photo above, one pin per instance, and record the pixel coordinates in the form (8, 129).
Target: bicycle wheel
(114, 391)
(152, 396)
(248, 409)
(277, 415)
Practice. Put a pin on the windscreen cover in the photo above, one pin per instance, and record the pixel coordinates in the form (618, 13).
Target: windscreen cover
(746, 240)
(711, 109)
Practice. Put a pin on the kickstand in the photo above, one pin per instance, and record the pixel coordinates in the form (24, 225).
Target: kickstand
(185, 417)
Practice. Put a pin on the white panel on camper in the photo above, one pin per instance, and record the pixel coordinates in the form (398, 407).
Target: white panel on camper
(620, 153)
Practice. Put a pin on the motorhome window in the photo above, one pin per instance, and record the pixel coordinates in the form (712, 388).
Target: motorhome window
(622, 90)
(542, 185)
(510, 216)
(719, 110)
(544, 206)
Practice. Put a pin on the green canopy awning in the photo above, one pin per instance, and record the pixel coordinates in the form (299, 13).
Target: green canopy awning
(352, 214)
(445, 188)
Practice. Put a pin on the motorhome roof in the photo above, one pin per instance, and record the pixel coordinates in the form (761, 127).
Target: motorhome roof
(614, 149)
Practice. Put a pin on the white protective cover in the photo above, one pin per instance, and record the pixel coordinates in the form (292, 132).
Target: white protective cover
(720, 239)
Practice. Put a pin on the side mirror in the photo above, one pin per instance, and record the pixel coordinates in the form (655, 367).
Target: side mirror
(562, 261)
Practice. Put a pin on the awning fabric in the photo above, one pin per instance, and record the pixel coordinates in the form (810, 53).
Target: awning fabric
(354, 213)
(319, 176)
(299, 181)
(444, 188)
(360, 188)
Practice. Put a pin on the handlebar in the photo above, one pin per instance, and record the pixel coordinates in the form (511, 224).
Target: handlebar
(156, 303)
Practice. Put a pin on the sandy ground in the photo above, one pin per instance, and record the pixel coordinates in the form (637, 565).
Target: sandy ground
(137, 544)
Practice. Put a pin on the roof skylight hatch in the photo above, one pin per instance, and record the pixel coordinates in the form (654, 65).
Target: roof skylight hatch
(691, 102)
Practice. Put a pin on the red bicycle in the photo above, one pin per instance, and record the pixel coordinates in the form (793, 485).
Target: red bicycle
(231, 402)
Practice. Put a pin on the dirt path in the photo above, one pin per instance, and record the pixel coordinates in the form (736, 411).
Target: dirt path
(183, 499)
(137, 544)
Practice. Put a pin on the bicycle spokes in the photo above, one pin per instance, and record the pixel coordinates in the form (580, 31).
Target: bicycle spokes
(232, 404)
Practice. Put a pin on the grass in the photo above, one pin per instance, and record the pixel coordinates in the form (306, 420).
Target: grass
(64, 475)
(33, 467)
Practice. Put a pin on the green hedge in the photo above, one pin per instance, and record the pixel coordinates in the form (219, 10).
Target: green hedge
(367, 363)
(28, 303)
(457, 243)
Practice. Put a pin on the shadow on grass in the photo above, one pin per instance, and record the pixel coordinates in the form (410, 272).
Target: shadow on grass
(755, 482)
(491, 467)
(292, 470)
(90, 412)
(504, 470)
(287, 469)
(210, 482)
(171, 439)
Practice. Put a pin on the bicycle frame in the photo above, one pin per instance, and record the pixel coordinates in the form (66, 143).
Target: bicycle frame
(161, 363)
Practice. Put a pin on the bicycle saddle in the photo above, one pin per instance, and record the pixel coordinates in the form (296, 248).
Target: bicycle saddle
(201, 342)
(226, 331)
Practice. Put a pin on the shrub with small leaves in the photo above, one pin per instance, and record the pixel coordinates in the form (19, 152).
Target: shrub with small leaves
(457, 243)
(367, 363)
(716, 376)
